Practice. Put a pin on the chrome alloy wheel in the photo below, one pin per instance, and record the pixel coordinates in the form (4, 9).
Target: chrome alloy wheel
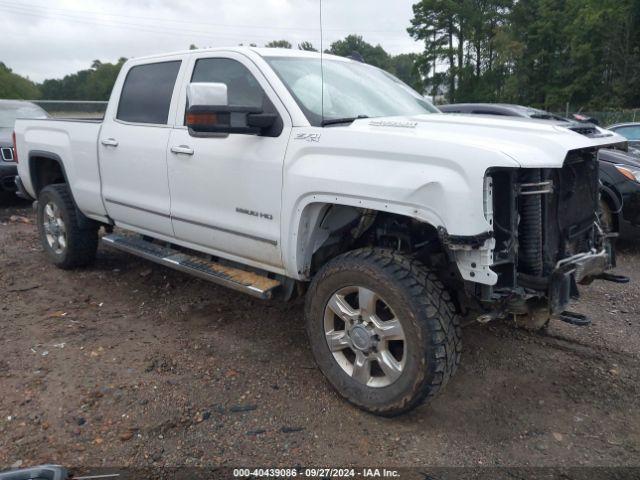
(364, 336)
(55, 230)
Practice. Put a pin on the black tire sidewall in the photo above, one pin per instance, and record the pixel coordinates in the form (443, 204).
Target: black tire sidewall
(419, 354)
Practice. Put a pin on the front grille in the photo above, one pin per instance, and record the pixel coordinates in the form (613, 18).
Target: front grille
(7, 154)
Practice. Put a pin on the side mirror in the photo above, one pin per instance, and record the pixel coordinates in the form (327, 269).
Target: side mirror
(209, 112)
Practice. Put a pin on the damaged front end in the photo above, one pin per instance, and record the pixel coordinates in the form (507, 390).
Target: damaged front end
(546, 240)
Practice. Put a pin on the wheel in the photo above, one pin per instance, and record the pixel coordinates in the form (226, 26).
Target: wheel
(68, 242)
(383, 330)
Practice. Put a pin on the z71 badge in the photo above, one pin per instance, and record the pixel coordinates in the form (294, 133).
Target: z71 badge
(308, 137)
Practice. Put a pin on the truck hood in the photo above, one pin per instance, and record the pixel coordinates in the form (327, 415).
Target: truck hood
(529, 143)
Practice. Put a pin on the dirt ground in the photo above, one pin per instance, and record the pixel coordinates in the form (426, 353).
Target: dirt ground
(130, 364)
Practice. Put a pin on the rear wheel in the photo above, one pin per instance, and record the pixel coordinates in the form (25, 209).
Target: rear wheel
(383, 330)
(67, 241)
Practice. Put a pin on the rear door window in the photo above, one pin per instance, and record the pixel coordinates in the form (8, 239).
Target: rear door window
(147, 91)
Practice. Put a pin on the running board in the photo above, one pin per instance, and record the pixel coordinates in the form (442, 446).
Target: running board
(248, 282)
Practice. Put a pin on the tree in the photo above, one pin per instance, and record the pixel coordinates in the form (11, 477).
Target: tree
(440, 25)
(354, 44)
(308, 46)
(15, 86)
(543, 53)
(405, 66)
(279, 44)
(95, 83)
(464, 34)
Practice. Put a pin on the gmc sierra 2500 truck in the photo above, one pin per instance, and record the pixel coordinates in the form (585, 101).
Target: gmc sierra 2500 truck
(276, 172)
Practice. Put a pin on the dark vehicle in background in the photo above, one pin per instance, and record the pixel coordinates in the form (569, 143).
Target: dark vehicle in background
(620, 176)
(9, 111)
(619, 171)
(505, 109)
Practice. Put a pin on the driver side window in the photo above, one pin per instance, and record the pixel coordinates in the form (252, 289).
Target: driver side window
(242, 87)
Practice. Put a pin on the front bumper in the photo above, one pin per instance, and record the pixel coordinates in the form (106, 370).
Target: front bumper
(8, 172)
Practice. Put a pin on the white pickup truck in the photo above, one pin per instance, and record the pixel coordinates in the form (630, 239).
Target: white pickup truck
(279, 174)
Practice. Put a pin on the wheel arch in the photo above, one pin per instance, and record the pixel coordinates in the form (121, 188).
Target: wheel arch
(320, 218)
(45, 168)
(614, 201)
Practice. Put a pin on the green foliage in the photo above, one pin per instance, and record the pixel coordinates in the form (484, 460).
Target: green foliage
(544, 53)
(93, 84)
(308, 46)
(461, 39)
(279, 44)
(16, 87)
(354, 44)
(404, 66)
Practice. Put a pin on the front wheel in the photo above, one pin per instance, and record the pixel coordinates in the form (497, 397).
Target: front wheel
(383, 330)
(67, 241)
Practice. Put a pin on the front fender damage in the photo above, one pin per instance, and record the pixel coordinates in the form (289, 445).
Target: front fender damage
(473, 254)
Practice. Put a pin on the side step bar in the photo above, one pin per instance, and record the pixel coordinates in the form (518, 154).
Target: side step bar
(248, 282)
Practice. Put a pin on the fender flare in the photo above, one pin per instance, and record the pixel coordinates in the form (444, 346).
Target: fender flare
(301, 234)
(49, 156)
(614, 198)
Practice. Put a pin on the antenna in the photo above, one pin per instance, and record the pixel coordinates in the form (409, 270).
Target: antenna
(321, 66)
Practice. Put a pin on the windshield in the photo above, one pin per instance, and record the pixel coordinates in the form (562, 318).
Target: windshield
(351, 89)
(9, 113)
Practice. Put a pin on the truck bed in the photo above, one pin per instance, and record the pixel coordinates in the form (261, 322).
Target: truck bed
(75, 141)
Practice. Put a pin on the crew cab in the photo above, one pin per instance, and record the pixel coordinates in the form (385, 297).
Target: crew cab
(282, 173)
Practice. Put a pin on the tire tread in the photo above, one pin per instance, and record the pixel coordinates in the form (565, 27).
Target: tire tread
(82, 241)
(437, 313)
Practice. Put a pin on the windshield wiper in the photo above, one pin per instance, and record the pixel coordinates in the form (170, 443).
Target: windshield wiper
(337, 121)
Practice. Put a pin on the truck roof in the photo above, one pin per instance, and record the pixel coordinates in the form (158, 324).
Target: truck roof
(261, 51)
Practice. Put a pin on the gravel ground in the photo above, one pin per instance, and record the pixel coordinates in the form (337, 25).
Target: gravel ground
(130, 364)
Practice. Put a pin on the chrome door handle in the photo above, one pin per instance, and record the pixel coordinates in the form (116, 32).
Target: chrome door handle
(182, 149)
(110, 142)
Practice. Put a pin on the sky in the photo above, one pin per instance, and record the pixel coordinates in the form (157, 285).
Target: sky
(51, 38)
